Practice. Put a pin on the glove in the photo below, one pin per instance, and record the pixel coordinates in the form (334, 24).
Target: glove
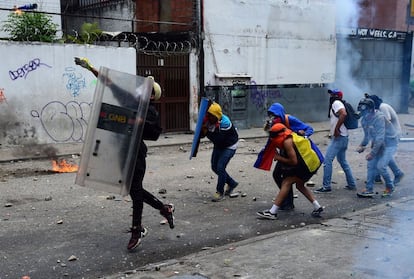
(83, 62)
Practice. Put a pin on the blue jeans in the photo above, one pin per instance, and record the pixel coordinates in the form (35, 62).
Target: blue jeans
(394, 168)
(379, 164)
(337, 148)
(220, 158)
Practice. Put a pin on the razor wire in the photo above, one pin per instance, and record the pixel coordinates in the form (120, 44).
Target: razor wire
(140, 42)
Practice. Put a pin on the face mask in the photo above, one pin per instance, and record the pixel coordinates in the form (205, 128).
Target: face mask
(272, 120)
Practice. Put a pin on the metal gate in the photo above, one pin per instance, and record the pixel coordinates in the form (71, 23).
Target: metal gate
(172, 73)
(379, 63)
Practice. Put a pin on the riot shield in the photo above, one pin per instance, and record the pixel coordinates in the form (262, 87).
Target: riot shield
(114, 131)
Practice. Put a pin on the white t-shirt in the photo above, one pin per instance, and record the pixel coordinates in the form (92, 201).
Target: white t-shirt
(336, 106)
(391, 116)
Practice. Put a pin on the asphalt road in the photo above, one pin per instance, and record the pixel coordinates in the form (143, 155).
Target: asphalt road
(52, 228)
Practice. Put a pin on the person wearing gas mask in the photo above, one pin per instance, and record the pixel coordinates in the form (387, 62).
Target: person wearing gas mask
(384, 139)
(392, 117)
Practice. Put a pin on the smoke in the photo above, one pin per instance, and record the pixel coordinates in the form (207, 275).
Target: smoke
(347, 13)
(348, 58)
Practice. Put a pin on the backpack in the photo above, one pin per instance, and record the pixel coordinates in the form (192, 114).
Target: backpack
(351, 120)
(152, 128)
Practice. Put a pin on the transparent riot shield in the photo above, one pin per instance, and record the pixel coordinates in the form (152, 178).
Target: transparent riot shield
(114, 131)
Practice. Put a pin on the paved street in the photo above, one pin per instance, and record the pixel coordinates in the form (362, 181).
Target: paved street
(52, 228)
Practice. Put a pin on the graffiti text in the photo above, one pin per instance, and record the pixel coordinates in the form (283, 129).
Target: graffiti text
(23, 71)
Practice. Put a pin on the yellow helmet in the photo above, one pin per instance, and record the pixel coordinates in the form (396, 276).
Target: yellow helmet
(215, 110)
(156, 89)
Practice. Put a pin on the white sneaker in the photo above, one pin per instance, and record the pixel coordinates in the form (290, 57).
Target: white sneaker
(267, 215)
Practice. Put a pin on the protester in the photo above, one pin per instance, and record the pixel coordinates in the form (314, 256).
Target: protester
(391, 116)
(277, 114)
(338, 144)
(384, 139)
(151, 131)
(299, 159)
(218, 128)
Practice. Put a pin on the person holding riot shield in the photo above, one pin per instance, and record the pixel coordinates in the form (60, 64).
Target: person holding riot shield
(151, 131)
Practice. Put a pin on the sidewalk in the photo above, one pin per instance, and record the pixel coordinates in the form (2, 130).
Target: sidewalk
(177, 139)
(373, 243)
(66, 149)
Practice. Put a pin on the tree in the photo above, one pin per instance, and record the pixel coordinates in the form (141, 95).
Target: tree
(88, 34)
(30, 26)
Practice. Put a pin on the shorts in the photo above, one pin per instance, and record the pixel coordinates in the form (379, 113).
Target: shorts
(301, 171)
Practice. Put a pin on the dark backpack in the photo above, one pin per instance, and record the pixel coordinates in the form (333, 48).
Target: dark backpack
(152, 128)
(351, 120)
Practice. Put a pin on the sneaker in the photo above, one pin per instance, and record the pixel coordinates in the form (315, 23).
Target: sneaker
(217, 197)
(167, 212)
(323, 190)
(365, 194)
(387, 193)
(397, 178)
(317, 212)
(351, 188)
(136, 235)
(229, 192)
(266, 214)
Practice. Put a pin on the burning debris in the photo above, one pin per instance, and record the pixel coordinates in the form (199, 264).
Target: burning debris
(63, 166)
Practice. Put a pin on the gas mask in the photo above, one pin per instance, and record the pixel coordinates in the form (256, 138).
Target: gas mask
(271, 120)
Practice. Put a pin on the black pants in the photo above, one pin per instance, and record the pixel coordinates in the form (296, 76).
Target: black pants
(278, 178)
(139, 195)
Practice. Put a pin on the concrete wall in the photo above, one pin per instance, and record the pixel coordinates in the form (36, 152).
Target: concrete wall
(44, 97)
(270, 42)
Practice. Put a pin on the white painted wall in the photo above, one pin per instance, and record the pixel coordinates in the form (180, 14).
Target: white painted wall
(51, 6)
(44, 96)
(194, 89)
(270, 42)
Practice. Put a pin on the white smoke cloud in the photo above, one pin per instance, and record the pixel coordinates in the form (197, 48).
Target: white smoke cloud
(348, 58)
(347, 13)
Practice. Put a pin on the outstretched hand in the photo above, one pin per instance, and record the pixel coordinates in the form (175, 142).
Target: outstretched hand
(83, 62)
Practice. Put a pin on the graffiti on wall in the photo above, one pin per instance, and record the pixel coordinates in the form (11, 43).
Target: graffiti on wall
(227, 95)
(24, 70)
(259, 95)
(64, 122)
(75, 81)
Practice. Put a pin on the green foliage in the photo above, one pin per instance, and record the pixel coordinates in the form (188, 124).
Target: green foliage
(29, 26)
(89, 33)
